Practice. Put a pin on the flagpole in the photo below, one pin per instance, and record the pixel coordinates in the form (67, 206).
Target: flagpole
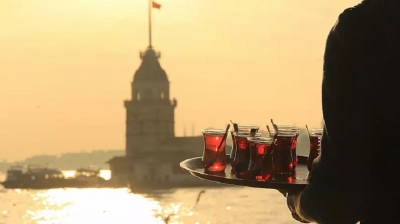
(150, 7)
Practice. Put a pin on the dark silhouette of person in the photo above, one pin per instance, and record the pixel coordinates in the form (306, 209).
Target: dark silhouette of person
(356, 177)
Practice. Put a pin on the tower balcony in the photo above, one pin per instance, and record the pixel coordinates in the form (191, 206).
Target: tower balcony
(146, 53)
(131, 103)
(127, 104)
(174, 102)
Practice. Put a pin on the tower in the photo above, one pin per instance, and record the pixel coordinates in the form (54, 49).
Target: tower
(150, 113)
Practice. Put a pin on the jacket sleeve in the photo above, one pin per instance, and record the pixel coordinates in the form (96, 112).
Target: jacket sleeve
(340, 182)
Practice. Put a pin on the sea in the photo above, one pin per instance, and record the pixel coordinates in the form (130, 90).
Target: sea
(224, 205)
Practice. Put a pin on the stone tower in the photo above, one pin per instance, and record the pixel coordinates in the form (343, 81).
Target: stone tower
(150, 114)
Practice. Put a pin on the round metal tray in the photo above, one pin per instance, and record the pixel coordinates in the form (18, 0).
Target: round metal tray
(196, 168)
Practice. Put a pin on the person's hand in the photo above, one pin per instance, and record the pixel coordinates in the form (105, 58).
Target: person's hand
(283, 192)
(291, 197)
(308, 176)
(290, 200)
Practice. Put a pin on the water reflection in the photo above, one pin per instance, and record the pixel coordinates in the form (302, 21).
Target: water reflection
(91, 206)
(106, 174)
(85, 206)
(120, 206)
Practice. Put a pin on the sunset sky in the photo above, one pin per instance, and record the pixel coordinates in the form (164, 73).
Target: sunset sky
(66, 66)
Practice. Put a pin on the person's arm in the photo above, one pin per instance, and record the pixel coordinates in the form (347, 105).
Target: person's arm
(340, 181)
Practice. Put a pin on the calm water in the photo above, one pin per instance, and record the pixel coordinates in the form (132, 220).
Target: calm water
(97, 206)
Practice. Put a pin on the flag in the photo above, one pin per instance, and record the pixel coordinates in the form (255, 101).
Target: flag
(156, 5)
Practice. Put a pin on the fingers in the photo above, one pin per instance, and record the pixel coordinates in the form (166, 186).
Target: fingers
(283, 192)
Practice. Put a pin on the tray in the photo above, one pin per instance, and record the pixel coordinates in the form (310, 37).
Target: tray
(196, 168)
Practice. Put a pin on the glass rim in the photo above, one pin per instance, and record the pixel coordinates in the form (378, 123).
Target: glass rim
(316, 131)
(287, 126)
(248, 126)
(289, 129)
(213, 131)
(284, 131)
(287, 134)
(246, 134)
(316, 134)
(260, 140)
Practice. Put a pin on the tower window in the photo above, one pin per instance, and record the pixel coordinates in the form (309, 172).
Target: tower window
(138, 96)
(162, 94)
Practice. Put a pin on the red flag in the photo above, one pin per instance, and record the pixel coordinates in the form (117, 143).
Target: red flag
(156, 5)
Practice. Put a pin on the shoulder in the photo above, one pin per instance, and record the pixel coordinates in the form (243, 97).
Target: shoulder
(354, 20)
(352, 17)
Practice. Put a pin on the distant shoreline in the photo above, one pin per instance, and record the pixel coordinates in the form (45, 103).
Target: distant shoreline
(69, 161)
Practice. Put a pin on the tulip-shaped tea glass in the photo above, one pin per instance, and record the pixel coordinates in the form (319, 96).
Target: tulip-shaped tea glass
(283, 157)
(234, 147)
(213, 138)
(260, 165)
(315, 136)
(242, 155)
(290, 129)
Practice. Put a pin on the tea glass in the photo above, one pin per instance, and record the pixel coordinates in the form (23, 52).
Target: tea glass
(284, 159)
(241, 156)
(290, 129)
(315, 137)
(260, 165)
(214, 158)
(234, 147)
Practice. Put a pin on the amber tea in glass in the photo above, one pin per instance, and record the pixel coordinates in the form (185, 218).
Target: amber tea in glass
(292, 129)
(283, 157)
(315, 136)
(260, 165)
(212, 140)
(234, 147)
(242, 155)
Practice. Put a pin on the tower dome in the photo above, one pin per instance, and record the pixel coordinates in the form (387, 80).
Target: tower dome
(150, 68)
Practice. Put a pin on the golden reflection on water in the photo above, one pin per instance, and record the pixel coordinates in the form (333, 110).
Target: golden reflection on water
(67, 206)
(120, 206)
(106, 174)
(93, 206)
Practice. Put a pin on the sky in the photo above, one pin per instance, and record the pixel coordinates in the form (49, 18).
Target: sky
(67, 66)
